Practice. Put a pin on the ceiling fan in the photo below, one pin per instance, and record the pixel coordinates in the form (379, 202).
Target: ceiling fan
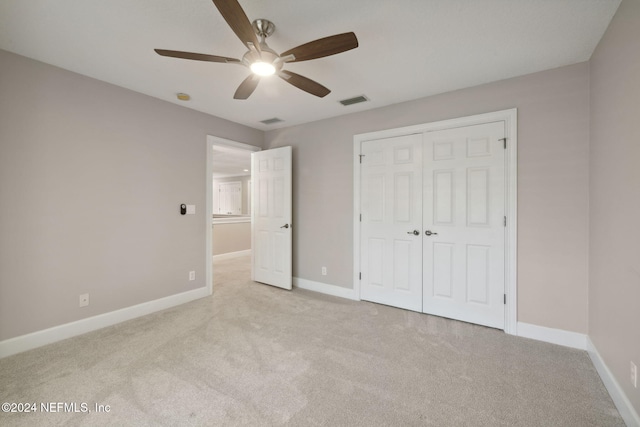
(264, 61)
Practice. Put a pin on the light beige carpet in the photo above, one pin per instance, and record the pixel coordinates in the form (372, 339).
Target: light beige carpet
(256, 355)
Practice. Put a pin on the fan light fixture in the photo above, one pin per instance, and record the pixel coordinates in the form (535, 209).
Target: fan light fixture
(264, 61)
(263, 68)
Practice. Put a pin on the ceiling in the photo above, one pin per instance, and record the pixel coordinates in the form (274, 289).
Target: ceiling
(228, 162)
(408, 49)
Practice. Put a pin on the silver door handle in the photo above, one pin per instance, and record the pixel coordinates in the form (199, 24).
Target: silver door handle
(285, 226)
(429, 233)
(414, 232)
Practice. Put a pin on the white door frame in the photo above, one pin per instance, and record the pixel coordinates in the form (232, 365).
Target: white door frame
(511, 133)
(211, 142)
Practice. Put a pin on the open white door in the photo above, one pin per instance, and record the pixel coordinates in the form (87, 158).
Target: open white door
(271, 217)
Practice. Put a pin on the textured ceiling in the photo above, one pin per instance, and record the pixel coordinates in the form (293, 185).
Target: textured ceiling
(408, 48)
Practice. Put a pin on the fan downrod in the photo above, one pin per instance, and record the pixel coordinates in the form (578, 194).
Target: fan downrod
(263, 27)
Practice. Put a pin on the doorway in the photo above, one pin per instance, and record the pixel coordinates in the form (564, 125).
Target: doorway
(399, 258)
(228, 169)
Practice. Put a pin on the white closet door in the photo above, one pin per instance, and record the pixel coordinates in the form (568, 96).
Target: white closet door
(230, 198)
(271, 217)
(391, 240)
(464, 208)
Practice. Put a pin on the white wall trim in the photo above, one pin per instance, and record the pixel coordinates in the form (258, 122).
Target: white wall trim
(230, 220)
(509, 117)
(230, 255)
(58, 333)
(583, 342)
(223, 142)
(208, 217)
(620, 399)
(552, 335)
(325, 288)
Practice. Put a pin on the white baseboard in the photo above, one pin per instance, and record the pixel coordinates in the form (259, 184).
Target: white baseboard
(230, 255)
(620, 399)
(583, 342)
(58, 333)
(551, 335)
(325, 288)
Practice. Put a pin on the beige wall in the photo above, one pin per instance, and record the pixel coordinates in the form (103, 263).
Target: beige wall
(99, 171)
(91, 179)
(553, 134)
(233, 237)
(614, 289)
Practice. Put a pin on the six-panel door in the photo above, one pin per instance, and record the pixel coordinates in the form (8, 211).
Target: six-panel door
(271, 217)
(464, 204)
(449, 187)
(391, 248)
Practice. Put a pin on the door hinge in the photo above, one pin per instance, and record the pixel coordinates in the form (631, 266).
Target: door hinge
(361, 156)
(360, 217)
(505, 299)
(505, 221)
(359, 276)
(505, 142)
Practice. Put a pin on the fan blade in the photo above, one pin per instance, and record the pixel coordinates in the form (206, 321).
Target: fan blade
(247, 87)
(304, 83)
(323, 47)
(232, 12)
(196, 56)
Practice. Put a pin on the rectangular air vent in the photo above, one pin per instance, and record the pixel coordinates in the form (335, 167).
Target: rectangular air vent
(271, 121)
(355, 100)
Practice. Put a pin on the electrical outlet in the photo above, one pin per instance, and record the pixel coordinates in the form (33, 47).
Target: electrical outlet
(83, 300)
(192, 275)
(324, 271)
(634, 375)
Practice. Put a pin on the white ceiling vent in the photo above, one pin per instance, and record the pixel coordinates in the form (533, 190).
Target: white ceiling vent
(271, 121)
(355, 100)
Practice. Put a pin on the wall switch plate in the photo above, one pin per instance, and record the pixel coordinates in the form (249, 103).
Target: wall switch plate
(634, 375)
(191, 209)
(324, 271)
(83, 300)
(192, 275)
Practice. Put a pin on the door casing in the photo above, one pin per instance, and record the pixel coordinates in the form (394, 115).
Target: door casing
(509, 117)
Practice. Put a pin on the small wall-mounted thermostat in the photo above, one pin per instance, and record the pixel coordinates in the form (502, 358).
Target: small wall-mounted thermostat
(187, 209)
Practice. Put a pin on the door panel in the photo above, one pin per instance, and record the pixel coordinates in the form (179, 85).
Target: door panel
(478, 280)
(375, 197)
(464, 205)
(391, 210)
(375, 272)
(443, 197)
(271, 217)
(443, 267)
(478, 203)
